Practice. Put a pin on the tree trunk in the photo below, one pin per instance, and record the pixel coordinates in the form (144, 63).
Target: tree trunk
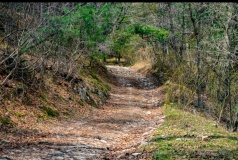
(41, 13)
(227, 49)
(183, 33)
(196, 33)
(235, 123)
(173, 40)
(119, 58)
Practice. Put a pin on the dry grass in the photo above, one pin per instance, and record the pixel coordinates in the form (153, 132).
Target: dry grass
(142, 67)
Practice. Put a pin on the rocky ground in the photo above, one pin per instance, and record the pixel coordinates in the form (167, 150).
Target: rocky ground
(117, 130)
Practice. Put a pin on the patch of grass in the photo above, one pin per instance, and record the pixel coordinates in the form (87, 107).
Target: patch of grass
(43, 97)
(50, 111)
(41, 117)
(94, 76)
(6, 121)
(19, 114)
(81, 103)
(104, 88)
(181, 137)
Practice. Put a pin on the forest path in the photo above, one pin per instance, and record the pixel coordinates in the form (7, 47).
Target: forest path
(126, 121)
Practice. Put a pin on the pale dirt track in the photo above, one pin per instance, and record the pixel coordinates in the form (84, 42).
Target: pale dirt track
(115, 131)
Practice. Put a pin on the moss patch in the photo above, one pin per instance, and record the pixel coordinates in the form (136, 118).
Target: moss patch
(6, 122)
(50, 111)
(19, 114)
(81, 103)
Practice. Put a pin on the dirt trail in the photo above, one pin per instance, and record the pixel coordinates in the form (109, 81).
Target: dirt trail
(125, 122)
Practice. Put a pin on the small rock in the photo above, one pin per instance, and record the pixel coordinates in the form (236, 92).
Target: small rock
(202, 138)
(178, 139)
(136, 154)
(35, 149)
(57, 153)
(17, 151)
(144, 143)
(148, 112)
(215, 125)
(5, 141)
(145, 134)
(4, 157)
(83, 93)
(120, 156)
(103, 141)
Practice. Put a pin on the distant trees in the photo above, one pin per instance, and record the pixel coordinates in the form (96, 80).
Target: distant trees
(212, 56)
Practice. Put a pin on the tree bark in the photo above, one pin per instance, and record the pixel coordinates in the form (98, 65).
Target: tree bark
(196, 33)
(173, 40)
(183, 33)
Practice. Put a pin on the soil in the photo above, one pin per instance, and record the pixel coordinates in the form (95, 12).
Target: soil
(120, 129)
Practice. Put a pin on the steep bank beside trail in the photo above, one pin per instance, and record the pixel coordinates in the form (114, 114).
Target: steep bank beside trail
(49, 98)
(117, 130)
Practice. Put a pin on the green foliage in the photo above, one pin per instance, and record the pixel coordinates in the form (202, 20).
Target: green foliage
(82, 23)
(154, 32)
(99, 55)
(120, 40)
(129, 40)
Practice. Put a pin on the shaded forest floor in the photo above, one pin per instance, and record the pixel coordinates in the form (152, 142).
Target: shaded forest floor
(118, 130)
